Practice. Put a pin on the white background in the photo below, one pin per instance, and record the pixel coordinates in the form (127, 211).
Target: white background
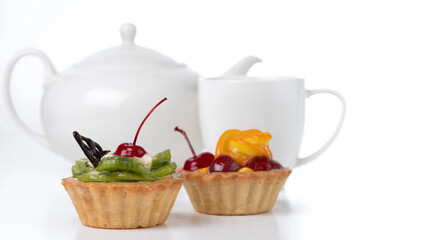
(370, 184)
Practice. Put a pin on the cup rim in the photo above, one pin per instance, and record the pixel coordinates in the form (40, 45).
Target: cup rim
(237, 79)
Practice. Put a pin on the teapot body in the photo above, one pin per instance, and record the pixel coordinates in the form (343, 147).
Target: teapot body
(108, 106)
(107, 95)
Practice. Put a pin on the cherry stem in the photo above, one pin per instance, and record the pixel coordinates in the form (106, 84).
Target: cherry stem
(187, 139)
(140, 126)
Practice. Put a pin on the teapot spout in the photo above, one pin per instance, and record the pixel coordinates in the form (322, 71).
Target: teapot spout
(242, 67)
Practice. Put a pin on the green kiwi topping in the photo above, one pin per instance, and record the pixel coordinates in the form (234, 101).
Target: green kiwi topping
(112, 168)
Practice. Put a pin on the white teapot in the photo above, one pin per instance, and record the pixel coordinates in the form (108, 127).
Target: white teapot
(106, 96)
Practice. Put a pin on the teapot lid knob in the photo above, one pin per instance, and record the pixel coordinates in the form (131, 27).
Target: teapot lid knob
(128, 32)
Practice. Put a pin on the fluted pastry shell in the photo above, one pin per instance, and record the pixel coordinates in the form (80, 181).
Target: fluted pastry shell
(234, 193)
(123, 205)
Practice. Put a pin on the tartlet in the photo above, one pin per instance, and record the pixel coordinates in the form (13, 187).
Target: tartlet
(223, 185)
(122, 189)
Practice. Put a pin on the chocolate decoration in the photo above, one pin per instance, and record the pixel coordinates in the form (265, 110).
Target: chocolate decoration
(91, 149)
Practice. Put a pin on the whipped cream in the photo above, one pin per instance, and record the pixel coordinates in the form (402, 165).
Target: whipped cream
(145, 160)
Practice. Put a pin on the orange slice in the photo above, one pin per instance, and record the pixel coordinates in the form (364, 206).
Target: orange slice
(203, 170)
(222, 144)
(245, 169)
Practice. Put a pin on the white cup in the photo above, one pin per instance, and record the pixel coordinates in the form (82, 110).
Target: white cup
(270, 104)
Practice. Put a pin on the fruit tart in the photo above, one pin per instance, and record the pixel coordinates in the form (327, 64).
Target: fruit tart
(122, 189)
(240, 179)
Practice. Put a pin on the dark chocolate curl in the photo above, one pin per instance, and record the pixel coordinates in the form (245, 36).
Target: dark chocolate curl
(91, 149)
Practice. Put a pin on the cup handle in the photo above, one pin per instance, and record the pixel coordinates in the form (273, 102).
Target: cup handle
(302, 161)
(50, 73)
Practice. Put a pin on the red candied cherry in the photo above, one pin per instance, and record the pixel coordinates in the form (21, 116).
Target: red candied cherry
(199, 161)
(131, 149)
(263, 163)
(224, 163)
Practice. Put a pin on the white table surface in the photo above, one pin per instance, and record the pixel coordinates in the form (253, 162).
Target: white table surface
(348, 201)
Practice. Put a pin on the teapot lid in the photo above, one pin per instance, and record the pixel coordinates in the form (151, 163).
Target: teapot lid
(127, 56)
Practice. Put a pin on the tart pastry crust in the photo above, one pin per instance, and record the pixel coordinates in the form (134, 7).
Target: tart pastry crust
(123, 205)
(234, 193)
